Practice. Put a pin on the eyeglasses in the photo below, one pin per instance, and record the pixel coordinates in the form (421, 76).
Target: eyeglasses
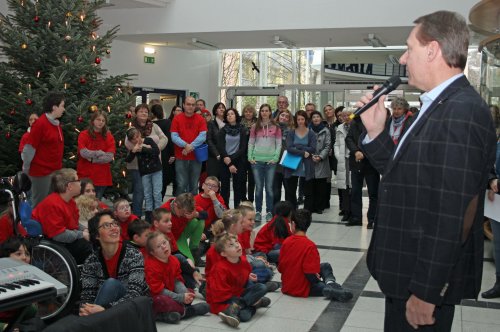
(77, 180)
(109, 225)
(123, 208)
(212, 186)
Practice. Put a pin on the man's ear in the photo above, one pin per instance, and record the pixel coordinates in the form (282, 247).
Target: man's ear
(433, 50)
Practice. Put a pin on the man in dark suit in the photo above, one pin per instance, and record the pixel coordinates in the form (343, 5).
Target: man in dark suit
(426, 251)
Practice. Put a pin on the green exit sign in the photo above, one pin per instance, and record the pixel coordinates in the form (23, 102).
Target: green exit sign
(149, 59)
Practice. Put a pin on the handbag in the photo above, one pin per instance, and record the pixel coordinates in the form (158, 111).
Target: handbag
(289, 160)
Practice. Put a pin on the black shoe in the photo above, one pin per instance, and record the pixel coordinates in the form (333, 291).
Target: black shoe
(169, 317)
(494, 292)
(370, 225)
(346, 217)
(197, 252)
(319, 211)
(263, 302)
(341, 213)
(334, 291)
(273, 286)
(230, 315)
(198, 309)
(300, 200)
(354, 222)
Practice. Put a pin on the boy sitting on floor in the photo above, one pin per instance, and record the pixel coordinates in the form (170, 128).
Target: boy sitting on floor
(124, 216)
(232, 291)
(302, 274)
(138, 232)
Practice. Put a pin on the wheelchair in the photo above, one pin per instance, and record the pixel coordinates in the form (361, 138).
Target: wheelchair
(49, 257)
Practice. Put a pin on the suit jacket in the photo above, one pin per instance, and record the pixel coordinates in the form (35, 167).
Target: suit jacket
(351, 141)
(428, 238)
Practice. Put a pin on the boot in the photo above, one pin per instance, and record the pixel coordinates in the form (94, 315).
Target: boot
(230, 315)
(493, 292)
(148, 215)
(198, 309)
(333, 291)
(196, 252)
(169, 317)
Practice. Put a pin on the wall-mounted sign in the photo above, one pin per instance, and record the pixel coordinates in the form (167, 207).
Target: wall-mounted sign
(149, 59)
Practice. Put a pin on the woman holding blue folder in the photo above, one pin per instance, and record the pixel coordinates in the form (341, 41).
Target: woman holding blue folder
(300, 142)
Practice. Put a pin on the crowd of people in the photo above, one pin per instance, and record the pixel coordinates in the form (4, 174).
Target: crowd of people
(411, 158)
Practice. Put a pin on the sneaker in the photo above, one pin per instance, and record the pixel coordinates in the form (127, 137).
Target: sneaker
(334, 291)
(258, 217)
(169, 317)
(273, 286)
(269, 216)
(263, 302)
(230, 315)
(198, 309)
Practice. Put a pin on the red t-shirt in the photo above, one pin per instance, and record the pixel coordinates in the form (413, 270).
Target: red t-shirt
(48, 141)
(100, 174)
(56, 215)
(226, 281)
(178, 223)
(266, 240)
(161, 275)
(24, 140)
(212, 258)
(124, 226)
(102, 206)
(112, 263)
(298, 256)
(244, 240)
(7, 228)
(188, 129)
(206, 204)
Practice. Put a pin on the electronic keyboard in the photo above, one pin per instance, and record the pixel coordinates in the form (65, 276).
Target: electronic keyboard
(22, 284)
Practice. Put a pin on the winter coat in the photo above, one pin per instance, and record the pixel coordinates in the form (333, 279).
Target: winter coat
(323, 143)
(341, 154)
(299, 149)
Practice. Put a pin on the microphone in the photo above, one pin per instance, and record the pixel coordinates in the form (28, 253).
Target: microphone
(389, 85)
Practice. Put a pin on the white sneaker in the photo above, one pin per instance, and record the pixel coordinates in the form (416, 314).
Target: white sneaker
(269, 216)
(258, 217)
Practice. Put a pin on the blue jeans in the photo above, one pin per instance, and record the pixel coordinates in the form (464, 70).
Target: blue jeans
(138, 193)
(253, 292)
(263, 174)
(152, 184)
(326, 273)
(187, 174)
(111, 291)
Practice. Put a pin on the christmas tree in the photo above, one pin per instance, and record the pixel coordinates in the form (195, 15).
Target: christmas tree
(54, 45)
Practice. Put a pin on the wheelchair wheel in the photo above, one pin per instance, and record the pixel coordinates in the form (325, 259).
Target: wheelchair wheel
(57, 262)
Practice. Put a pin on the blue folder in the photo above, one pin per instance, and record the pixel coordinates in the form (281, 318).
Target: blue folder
(289, 160)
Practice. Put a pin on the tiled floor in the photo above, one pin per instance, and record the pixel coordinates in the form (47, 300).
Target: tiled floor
(344, 248)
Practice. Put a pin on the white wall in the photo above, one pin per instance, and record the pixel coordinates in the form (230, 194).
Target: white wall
(173, 68)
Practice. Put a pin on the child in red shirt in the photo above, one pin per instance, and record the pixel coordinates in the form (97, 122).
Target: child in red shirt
(302, 274)
(162, 222)
(271, 235)
(171, 299)
(231, 289)
(138, 232)
(123, 214)
(247, 225)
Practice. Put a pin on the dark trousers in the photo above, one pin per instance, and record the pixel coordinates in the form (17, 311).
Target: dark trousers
(316, 195)
(372, 181)
(248, 178)
(302, 182)
(326, 273)
(291, 190)
(345, 200)
(253, 293)
(279, 181)
(395, 318)
(238, 182)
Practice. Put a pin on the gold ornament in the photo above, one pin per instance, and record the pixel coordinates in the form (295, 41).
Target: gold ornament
(93, 108)
(69, 14)
(24, 46)
(67, 38)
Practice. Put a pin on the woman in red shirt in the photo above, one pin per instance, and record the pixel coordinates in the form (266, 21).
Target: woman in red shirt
(43, 153)
(96, 150)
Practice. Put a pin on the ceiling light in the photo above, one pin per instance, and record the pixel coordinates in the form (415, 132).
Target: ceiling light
(149, 50)
(374, 41)
(282, 42)
(203, 44)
